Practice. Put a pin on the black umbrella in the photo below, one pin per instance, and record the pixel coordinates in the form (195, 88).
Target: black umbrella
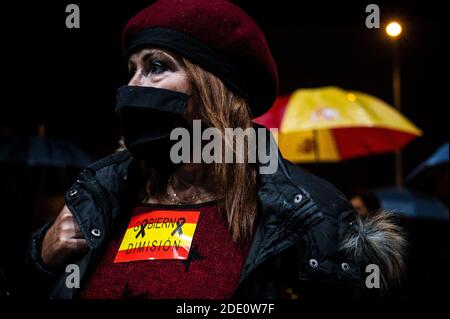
(43, 151)
(437, 162)
(412, 204)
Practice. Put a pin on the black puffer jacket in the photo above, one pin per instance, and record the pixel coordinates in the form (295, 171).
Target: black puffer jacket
(306, 240)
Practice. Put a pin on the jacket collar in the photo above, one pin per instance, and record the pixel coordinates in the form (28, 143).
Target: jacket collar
(285, 212)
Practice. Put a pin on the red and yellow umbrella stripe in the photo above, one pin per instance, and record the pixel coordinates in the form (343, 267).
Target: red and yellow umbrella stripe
(330, 124)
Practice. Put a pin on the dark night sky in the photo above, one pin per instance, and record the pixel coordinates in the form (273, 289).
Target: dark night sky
(67, 78)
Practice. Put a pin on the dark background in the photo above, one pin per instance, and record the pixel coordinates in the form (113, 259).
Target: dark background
(67, 79)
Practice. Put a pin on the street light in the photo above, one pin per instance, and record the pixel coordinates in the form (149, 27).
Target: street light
(393, 30)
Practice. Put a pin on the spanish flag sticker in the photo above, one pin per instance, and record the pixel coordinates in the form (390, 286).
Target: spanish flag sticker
(162, 234)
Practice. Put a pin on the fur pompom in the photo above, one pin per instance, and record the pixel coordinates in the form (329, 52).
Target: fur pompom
(378, 239)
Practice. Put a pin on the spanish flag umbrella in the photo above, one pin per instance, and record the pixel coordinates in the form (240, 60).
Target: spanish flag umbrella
(329, 124)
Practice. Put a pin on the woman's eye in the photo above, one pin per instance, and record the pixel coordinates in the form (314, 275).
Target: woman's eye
(157, 67)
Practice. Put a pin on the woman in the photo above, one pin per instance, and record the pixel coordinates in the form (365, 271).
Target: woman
(139, 225)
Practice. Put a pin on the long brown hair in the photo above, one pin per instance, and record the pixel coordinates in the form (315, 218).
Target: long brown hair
(219, 107)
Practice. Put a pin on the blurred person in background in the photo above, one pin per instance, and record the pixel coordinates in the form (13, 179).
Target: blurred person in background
(364, 201)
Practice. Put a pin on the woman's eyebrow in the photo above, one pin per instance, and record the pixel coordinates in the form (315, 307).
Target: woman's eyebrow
(149, 54)
(159, 54)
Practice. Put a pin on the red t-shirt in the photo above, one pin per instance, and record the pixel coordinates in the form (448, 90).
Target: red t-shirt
(211, 271)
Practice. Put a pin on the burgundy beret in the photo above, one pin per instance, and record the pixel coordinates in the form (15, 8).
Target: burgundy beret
(215, 34)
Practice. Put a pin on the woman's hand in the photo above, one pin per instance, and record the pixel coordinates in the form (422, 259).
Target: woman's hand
(63, 240)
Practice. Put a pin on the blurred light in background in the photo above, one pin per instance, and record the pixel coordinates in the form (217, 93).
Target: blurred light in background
(393, 29)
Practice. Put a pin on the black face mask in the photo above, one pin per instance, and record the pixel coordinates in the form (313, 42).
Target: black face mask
(148, 116)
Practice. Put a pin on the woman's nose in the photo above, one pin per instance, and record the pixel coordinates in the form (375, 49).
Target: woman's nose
(137, 78)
